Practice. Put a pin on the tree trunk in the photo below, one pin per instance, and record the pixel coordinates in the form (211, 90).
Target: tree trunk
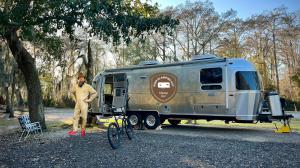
(20, 101)
(7, 83)
(275, 59)
(210, 51)
(26, 64)
(8, 105)
(13, 88)
(164, 47)
(89, 65)
(188, 42)
(292, 59)
(174, 48)
(19, 97)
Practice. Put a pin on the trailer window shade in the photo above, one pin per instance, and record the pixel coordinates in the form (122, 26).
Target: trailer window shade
(211, 75)
(211, 87)
(247, 80)
(107, 89)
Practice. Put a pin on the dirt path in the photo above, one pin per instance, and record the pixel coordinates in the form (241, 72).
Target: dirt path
(54, 114)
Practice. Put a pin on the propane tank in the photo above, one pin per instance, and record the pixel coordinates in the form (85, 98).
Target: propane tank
(275, 104)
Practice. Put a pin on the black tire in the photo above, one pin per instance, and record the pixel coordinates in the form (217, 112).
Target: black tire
(151, 120)
(174, 122)
(113, 135)
(128, 128)
(134, 119)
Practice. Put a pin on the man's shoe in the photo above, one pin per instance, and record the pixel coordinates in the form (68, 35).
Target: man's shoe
(83, 133)
(72, 132)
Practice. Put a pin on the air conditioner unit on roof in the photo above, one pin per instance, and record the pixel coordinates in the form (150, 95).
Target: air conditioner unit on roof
(150, 62)
(204, 57)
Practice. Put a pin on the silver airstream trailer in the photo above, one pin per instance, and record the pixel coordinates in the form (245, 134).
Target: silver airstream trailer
(207, 87)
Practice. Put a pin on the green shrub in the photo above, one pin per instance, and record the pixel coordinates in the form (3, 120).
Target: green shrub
(290, 105)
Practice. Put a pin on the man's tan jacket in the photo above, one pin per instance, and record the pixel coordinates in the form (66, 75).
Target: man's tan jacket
(82, 96)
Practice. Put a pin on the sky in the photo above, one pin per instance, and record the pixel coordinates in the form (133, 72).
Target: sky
(244, 8)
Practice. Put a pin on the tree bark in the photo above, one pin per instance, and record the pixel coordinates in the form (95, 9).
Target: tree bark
(164, 47)
(188, 42)
(19, 97)
(13, 88)
(275, 58)
(8, 105)
(90, 64)
(203, 48)
(175, 59)
(7, 83)
(27, 66)
(20, 102)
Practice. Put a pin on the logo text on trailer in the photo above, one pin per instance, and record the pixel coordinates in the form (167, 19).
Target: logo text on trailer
(163, 86)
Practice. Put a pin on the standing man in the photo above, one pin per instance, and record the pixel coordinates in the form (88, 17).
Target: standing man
(82, 94)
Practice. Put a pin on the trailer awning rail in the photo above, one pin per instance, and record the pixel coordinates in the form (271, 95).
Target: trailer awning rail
(169, 64)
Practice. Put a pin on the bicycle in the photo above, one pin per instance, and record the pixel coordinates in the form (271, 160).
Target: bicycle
(115, 130)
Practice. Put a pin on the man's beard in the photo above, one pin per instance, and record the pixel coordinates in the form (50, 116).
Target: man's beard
(80, 84)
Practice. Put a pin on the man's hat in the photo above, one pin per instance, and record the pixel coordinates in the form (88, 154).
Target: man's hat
(80, 75)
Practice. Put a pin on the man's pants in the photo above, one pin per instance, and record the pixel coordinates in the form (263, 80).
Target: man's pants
(81, 108)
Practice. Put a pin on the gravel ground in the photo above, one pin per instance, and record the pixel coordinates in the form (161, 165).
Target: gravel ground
(148, 149)
(231, 132)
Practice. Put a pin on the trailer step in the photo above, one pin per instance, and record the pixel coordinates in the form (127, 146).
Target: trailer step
(105, 119)
(102, 119)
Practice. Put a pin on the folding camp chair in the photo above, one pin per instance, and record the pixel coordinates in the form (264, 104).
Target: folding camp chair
(28, 127)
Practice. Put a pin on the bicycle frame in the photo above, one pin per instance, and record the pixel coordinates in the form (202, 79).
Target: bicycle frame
(121, 126)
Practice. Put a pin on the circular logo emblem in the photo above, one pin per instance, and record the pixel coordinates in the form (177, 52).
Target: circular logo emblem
(163, 86)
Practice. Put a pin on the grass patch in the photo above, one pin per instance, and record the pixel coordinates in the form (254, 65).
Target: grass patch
(57, 125)
(294, 123)
(8, 122)
(68, 124)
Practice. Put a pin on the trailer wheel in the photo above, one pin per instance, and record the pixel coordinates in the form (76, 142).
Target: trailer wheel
(151, 120)
(174, 122)
(134, 119)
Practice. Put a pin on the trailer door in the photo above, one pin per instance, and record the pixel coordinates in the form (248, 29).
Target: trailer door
(100, 93)
(211, 97)
(120, 91)
(96, 103)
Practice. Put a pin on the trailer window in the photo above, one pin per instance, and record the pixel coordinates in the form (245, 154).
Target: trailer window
(211, 75)
(119, 78)
(108, 89)
(247, 80)
(118, 92)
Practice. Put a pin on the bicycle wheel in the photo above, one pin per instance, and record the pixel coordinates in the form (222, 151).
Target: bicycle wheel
(128, 128)
(113, 135)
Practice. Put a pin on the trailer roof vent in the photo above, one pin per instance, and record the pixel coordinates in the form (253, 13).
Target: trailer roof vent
(150, 62)
(204, 57)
